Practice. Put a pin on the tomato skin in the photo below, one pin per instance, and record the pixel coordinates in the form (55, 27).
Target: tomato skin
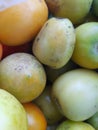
(36, 119)
(7, 50)
(1, 51)
(74, 125)
(85, 53)
(16, 26)
(93, 121)
(78, 99)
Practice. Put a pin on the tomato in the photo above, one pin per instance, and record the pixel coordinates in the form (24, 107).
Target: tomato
(7, 50)
(72, 125)
(20, 20)
(93, 120)
(85, 53)
(75, 93)
(22, 75)
(75, 10)
(95, 7)
(55, 42)
(1, 51)
(12, 113)
(36, 118)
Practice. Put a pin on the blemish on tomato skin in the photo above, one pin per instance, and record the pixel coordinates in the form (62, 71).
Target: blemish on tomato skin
(46, 24)
(40, 0)
(37, 39)
(18, 68)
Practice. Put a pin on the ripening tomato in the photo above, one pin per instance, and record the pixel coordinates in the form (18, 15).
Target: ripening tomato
(7, 50)
(36, 118)
(21, 20)
(1, 51)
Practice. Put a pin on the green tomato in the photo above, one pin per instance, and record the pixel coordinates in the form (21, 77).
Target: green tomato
(72, 125)
(94, 120)
(75, 10)
(75, 93)
(95, 7)
(50, 110)
(85, 52)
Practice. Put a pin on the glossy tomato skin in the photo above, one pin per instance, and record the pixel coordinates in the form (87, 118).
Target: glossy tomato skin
(21, 22)
(36, 119)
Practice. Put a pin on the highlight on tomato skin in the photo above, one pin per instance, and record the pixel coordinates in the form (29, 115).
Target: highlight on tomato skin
(20, 23)
(1, 51)
(35, 117)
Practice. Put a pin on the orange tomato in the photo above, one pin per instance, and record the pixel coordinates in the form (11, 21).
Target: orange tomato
(21, 20)
(36, 119)
(1, 51)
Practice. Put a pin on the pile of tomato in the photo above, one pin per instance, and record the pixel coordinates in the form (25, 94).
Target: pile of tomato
(49, 61)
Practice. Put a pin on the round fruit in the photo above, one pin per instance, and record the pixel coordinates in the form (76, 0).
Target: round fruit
(85, 52)
(75, 10)
(7, 50)
(95, 7)
(36, 119)
(94, 120)
(75, 93)
(21, 20)
(1, 51)
(72, 125)
(12, 113)
(48, 107)
(22, 75)
(55, 42)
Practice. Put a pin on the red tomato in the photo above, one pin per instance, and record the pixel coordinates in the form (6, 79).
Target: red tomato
(1, 51)
(36, 118)
(7, 50)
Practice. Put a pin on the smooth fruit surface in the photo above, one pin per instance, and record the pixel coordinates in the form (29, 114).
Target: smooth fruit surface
(22, 75)
(20, 22)
(94, 121)
(85, 52)
(75, 93)
(36, 119)
(72, 125)
(46, 104)
(75, 10)
(12, 113)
